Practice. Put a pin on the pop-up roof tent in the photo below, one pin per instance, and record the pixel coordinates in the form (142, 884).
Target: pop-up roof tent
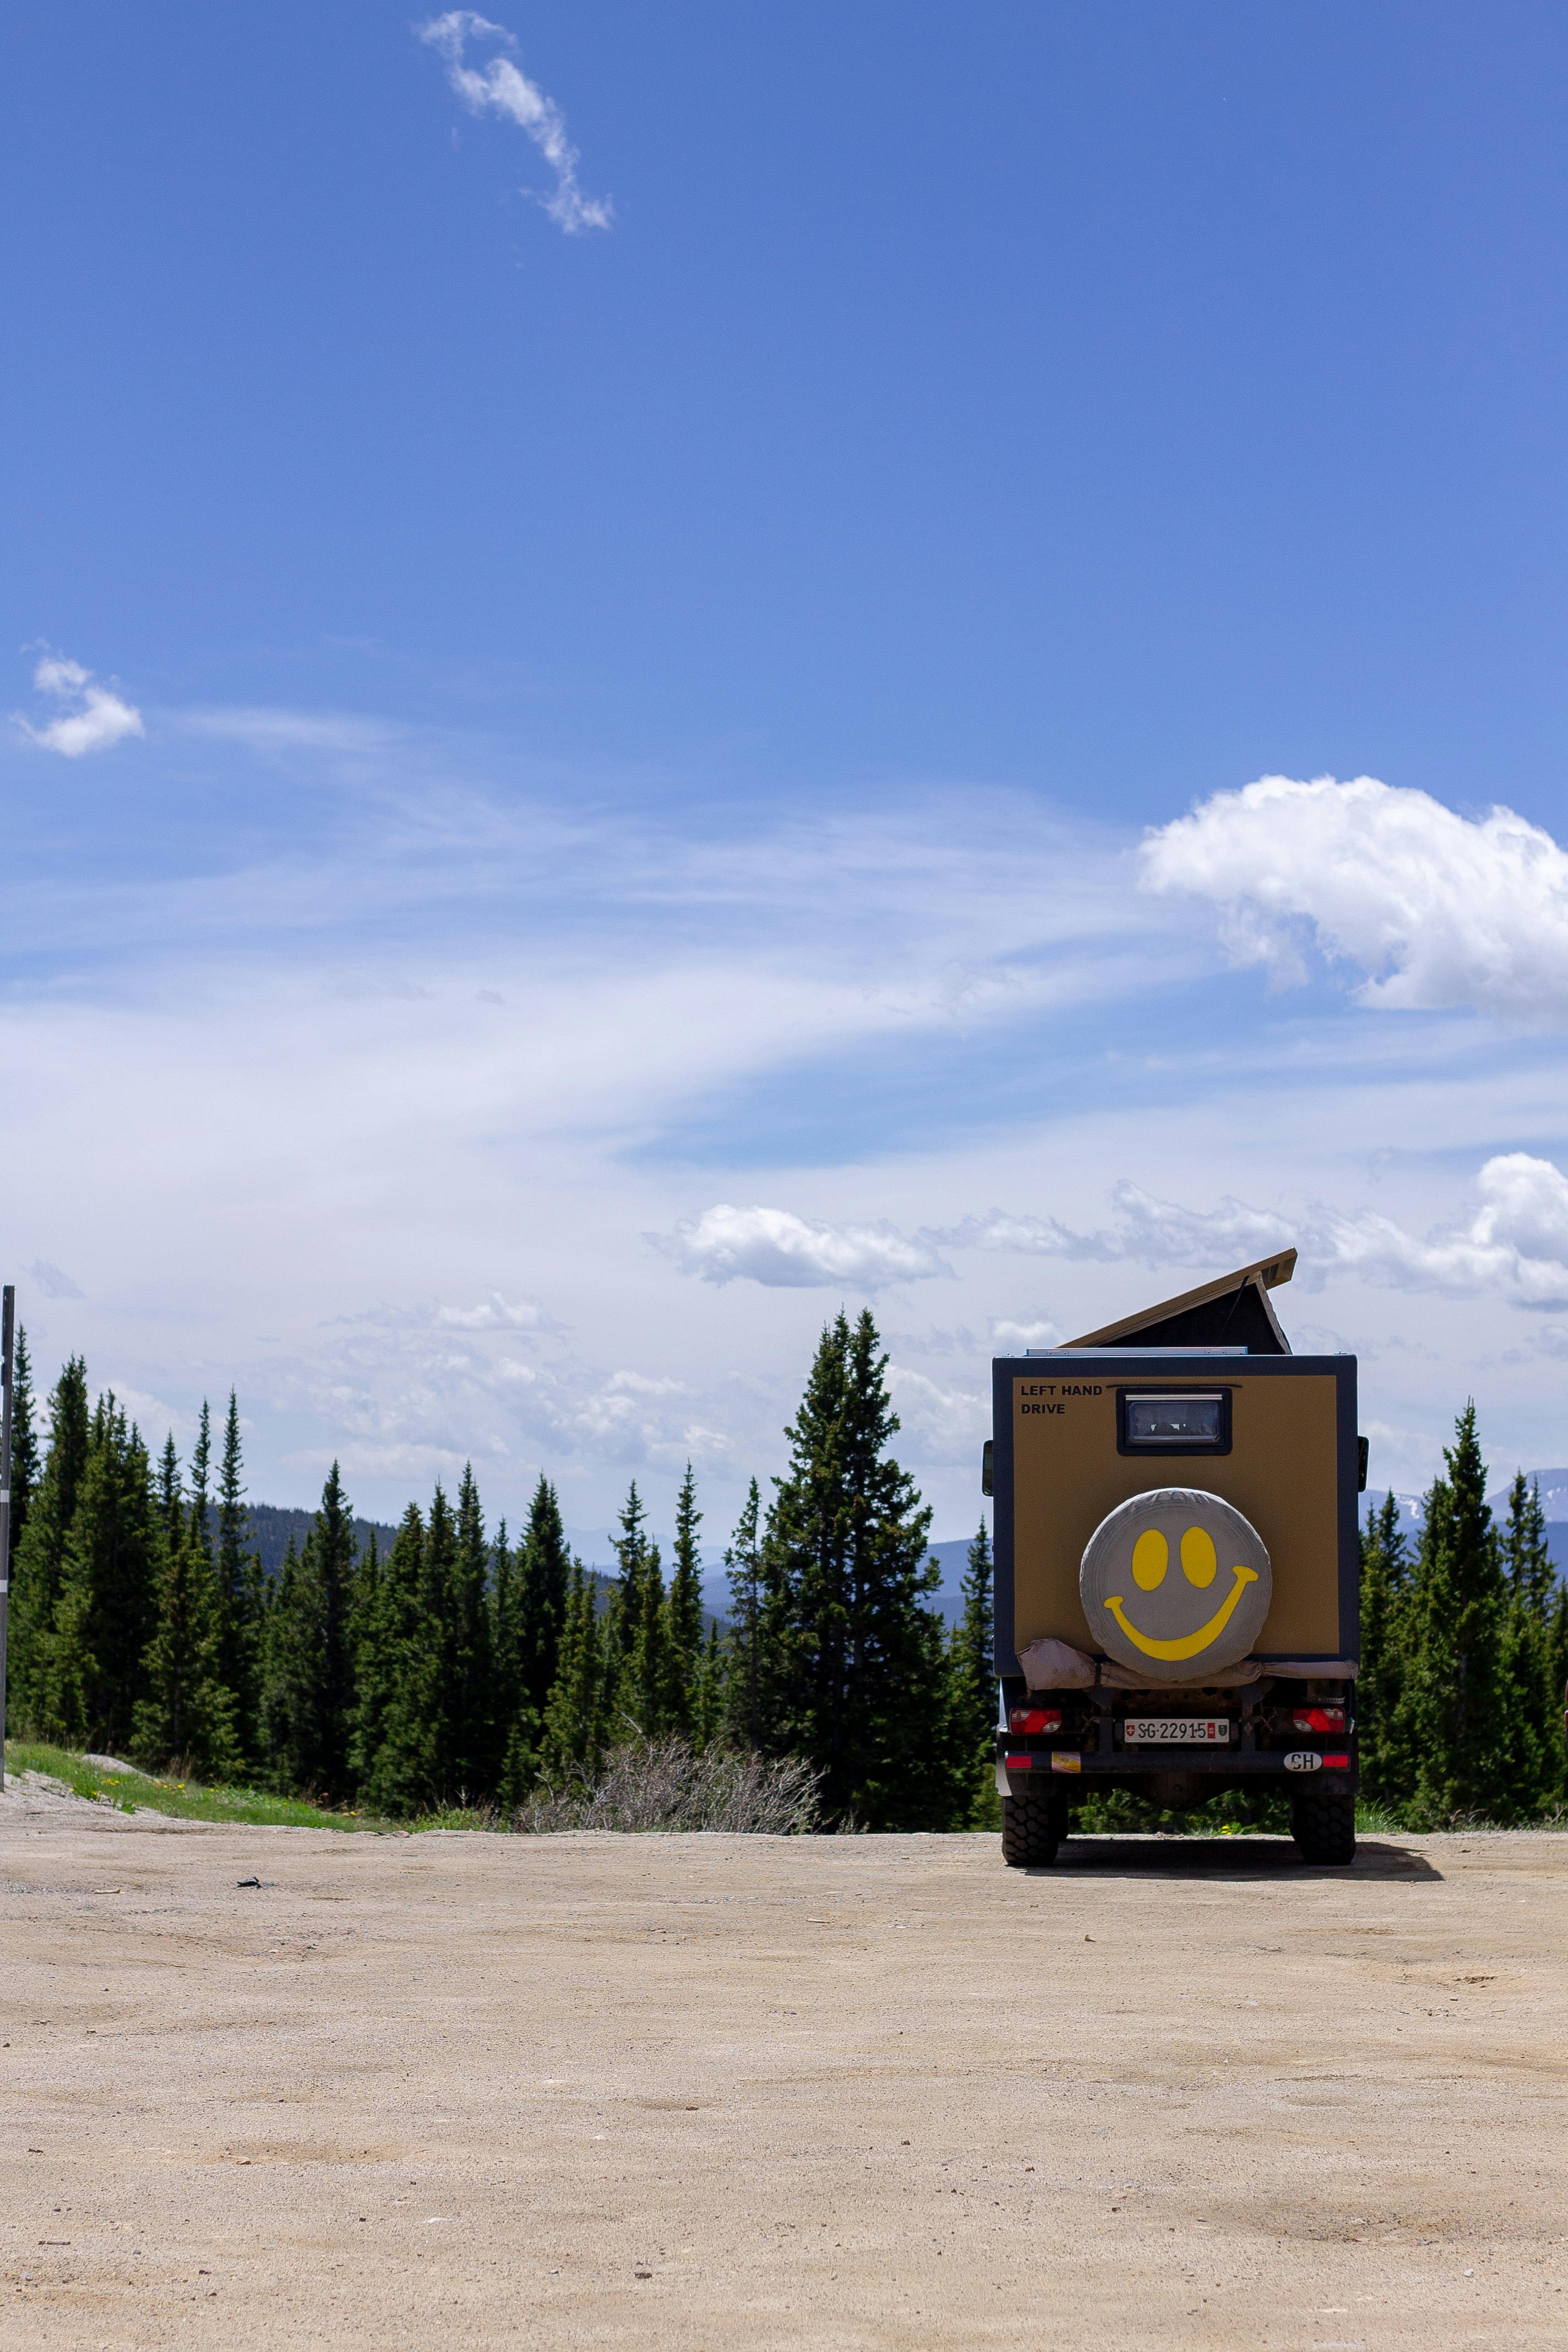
(1233, 1312)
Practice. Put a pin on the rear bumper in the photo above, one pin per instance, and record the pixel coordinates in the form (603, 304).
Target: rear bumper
(1069, 1769)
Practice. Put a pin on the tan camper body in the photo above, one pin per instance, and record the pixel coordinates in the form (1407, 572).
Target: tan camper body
(1177, 1571)
(1287, 1457)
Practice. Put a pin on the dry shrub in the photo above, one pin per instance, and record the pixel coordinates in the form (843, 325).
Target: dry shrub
(664, 1784)
(461, 1816)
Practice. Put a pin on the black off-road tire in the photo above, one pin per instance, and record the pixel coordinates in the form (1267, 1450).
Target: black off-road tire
(1322, 1822)
(1033, 1825)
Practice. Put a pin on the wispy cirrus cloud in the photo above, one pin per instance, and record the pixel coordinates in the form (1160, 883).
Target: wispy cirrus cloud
(492, 1313)
(495, 1314)
(775, 1247)
(52, 1281)
(1438, 910)
(1151, 1231)
(501, 87)
(92, 717)
(274, 730)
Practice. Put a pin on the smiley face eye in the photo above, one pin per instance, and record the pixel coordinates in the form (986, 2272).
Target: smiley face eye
(1151, 1559)
(1199, 1559)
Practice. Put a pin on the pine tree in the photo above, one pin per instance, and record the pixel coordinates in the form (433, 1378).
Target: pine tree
(285, 1674)
(106, 1612)
(574, 1714)
(396, 1760)
(201, 1482)
(624, 1616)
(634, 1638)
(170, 1492)
(1526, 1554)
(371, 1682)
(184, 1712)
(467, 1696)
(546, 1580)
(432, 1636)
(1387, 1761)
(38, 1554)
(1455, 1696)
(506, 1652)
(540, 1584)
(241, 1589)
(743, 1560)
(1534, 1707)
(307, 1704)
(642, 1696)
(684, 1647)
(972, 1670)
(853, 1666)
(24, 1467)
(1557, 1654)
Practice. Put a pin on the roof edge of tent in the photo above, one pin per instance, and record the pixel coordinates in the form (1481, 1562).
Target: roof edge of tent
(1265, 1273)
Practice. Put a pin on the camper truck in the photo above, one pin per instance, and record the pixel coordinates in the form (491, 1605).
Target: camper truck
(1177, 1568)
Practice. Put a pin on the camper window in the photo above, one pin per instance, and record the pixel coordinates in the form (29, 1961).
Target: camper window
(1173, 1421)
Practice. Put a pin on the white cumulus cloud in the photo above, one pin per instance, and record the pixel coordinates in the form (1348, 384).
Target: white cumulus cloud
(1437, 910)
(785, 1252)
(92, 719)
(501, 87)
(1010, 1338)
(1514, 1247)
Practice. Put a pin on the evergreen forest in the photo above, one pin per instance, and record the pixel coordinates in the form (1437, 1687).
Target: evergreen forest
(461, 1667)
(1464, 1654)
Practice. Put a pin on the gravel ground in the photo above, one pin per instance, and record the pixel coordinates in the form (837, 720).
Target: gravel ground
(706, 2092)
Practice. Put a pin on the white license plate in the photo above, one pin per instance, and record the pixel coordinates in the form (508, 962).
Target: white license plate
(1177, 1730)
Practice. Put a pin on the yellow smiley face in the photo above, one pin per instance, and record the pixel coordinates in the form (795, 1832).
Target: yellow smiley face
(1145, 1614)
(1200, 1565)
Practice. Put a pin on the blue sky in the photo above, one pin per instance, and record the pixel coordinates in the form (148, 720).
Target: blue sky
(611, 751)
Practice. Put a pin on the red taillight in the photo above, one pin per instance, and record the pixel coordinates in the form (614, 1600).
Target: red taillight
(1336, 1763)
(1018, 1763)
(1035, 1719)
(1318, 1718)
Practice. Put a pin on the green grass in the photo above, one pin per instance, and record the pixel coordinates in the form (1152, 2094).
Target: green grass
(1235, 1814)
(187, 1801)
(1373, 1820)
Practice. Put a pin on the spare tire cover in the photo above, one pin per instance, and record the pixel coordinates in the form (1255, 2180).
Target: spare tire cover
(1174, 1583)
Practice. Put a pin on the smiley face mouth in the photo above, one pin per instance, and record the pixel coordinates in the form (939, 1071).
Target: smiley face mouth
(1189, 1645)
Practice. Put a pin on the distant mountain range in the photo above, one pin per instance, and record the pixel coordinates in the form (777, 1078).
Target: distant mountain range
(1553, 1486)
(272, 1524)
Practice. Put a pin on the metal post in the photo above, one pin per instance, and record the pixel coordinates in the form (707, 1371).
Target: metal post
(8, 1335)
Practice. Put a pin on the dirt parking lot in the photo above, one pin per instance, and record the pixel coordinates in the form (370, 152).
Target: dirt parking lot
(701, 2092)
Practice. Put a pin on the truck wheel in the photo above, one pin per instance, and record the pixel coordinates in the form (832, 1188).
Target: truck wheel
(1323, 1825)
(1033, 1826)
